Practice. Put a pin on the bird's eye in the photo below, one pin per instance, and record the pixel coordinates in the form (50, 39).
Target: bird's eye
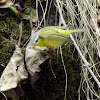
(37, 41)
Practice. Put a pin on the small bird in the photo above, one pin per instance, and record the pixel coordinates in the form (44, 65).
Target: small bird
(51, 36)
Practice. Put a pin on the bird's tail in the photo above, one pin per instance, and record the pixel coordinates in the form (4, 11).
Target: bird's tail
(68, 32)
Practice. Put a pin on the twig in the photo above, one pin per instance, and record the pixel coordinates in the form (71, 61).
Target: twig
(79, 51)
(63, 22)
(20, 29)
(86, 64)
(4, 95)
(52, 69)
(65, 72)
(31, 15)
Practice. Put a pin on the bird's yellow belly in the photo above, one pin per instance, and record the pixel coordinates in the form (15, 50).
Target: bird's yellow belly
(54, 42)
(51, 41)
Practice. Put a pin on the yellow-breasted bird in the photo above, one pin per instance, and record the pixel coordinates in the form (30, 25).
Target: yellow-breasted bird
(51, 36)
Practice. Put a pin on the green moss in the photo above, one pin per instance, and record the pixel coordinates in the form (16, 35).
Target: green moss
(6, 52)
(9, 35)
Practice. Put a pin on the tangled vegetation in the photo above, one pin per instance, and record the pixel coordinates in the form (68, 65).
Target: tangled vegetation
(73, 71)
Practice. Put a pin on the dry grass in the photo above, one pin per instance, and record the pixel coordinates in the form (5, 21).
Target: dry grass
(80, 14)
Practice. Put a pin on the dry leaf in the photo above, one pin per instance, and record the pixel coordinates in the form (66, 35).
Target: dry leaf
(34, 58)
(2, 1)
(5, 3)
(14, 71)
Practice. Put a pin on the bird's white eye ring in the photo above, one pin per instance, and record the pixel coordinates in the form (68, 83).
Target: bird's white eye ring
(37, 41)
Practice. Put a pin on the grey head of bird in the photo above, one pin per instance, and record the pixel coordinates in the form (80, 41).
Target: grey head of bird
(35, 36)
(34, 39)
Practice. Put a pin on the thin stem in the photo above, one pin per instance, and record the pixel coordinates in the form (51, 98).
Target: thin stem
(4, 95)
(31, 19)
(79, 51)
(65, 73)
(14, 10)
(20, 29)
(85, 61)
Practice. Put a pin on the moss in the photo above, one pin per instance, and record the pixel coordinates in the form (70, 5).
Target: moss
(6, 52)
(8, 26)
(9, 35)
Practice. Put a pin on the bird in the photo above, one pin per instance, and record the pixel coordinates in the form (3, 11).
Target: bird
(51, 36)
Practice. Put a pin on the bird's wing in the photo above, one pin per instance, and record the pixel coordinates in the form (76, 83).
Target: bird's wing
(53, 33)
(57, 31)
(50, 30)
(52, 40)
